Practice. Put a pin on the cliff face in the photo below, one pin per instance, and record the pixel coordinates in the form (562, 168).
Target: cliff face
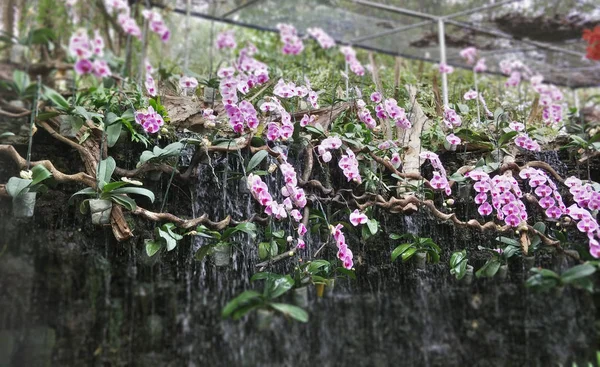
(73, 296)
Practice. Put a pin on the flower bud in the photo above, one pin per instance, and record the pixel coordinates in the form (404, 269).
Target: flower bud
(26, 175)
(290, 239)
(210, 124)
(164, 130)
(272, 168)
(450, 202)
(291, 253)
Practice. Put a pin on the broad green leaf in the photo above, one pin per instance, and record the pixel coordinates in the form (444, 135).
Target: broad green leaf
(171, 242)
(17, 186)
(114, 185)
(135, 190)
(489, 269)
(124, 201)
(113, 132)
(21, 80)
(243, 299)
(406, 255)
(577, 272)
(106, 168)
(39, 174)
(263, 250)
(58, 100)
(152, 247)
(292, 311)
(87, 191)
(6, 135)
(373, 225)
(400, 250)
(506, 137)
(256, 159)
(508, 241)
(280, 286)
(202, 252)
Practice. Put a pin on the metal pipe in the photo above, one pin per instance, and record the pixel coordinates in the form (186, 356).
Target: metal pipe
(235, 10)
(394, 9)
(390, 31)
(442, 41)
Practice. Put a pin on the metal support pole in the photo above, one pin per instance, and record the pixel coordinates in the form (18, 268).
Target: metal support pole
(186, 41)
(442, 41)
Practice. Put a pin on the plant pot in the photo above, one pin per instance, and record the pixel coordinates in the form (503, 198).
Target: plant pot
(100, 210)
(222, 255)
(301, 296)
(528, 262)
(66, 128)
(264, 318)
(320, 287)
(468, 278)
(23, 205)
(210, 94)
(502, 272)
(329, 288)
(420, 259)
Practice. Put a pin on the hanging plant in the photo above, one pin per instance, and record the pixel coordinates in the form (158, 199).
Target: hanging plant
(23, 190)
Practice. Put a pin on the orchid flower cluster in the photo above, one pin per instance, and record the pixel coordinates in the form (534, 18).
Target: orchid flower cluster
(127, 23)
(439, 180)
(287, 90)
(349, 165)
(516, 71)
(83, 49)
(276, 131)
(226, 39)
(388, 109)
(505, 194)
(445, 68)
(546, 190)
(350, 56)
(292, 43)
(326, 145)
(245, 74)
(585, 198)
(324, 40)
(295, 198)
(470, 56)
(150, 120)
(149, 82)
(550, 98)
(156, 24)
(344, 252)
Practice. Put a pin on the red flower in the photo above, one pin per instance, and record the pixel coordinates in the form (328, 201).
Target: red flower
(593, 39)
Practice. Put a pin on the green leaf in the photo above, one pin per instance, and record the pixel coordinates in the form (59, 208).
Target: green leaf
(315, 130)
(406, 255)
(489, 269)
(17, 186)
(39, 174)
(112, 133)
(58, 100)
(256, 159)
(400, 250)
(106, 168)
(202, 252)
(169, 228)
(540, 227)
(243, 299)
(114, 185)
(373, 225)
(87, 191)
(152, 247)
(292, 311)
(395, 236)
(124, 201)
(263, 250)
(508, 241)
(279, 286)
(6, 135)
(463, 108)
(135, 190)
(577, 272)
(506, 137)
(171, 242)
